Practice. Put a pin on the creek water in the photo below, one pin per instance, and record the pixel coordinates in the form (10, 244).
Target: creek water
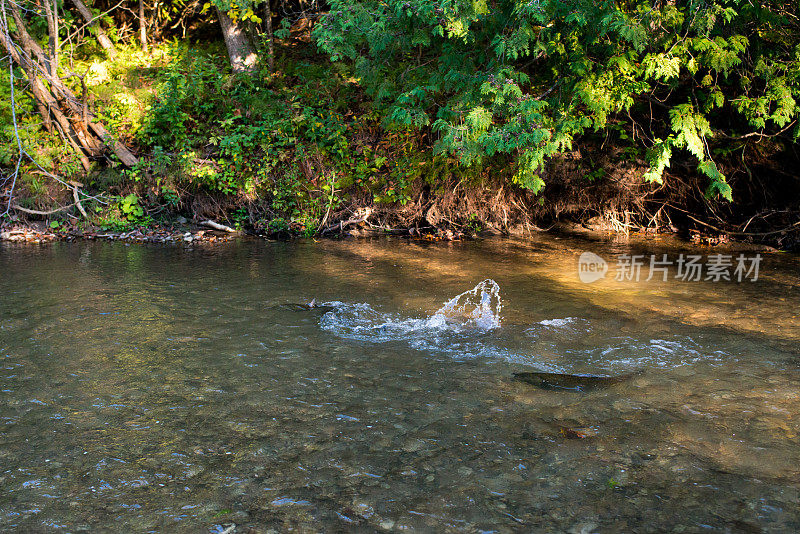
(169, 389)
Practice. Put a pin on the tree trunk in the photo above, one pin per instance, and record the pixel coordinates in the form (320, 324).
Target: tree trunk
(102, 37)
(270, 47)
(241, 53)
(142, 27)
(51, 14)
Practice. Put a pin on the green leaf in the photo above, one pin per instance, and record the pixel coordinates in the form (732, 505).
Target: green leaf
(718, 184)
(658, 157)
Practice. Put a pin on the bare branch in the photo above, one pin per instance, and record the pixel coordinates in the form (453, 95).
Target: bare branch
(49, 212)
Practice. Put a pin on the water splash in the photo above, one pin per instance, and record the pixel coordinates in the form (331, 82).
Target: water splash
(480, 305)
(456, 327)
(468, 326)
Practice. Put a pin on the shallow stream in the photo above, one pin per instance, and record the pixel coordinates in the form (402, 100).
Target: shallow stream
(166, 389)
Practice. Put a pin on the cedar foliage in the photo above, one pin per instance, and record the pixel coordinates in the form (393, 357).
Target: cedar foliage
(528, 77)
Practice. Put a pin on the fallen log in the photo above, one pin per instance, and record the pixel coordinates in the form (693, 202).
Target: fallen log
(217, 226)
(342, 224)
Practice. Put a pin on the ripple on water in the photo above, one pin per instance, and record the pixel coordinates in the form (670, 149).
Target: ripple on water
(288, 501)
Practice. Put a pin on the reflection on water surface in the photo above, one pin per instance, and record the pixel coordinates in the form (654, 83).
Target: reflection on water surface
(164, 389)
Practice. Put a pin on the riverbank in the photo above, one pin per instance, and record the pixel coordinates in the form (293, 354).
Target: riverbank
(303, 152)
(185, 233)
(178, 234)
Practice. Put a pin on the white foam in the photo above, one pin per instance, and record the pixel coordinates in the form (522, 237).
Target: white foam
(557, 323)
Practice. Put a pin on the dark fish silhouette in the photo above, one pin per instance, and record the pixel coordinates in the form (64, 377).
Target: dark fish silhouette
(571, 382)
(311, 306)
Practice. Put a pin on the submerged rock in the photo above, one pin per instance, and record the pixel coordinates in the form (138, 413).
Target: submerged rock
(578, 382)
(578, 432)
